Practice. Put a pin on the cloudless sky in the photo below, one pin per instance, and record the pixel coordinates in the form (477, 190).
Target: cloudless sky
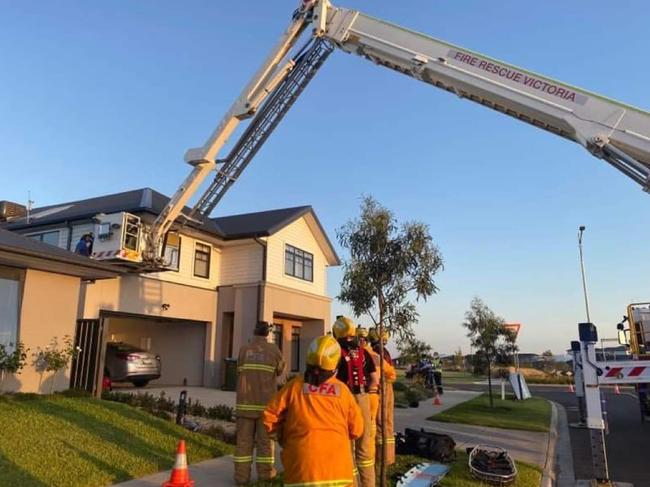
(102, 97)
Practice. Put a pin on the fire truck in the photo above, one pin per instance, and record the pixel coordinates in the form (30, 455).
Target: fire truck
(610, 130)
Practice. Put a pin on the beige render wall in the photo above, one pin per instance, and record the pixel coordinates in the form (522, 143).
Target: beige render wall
(242, 301)
(279, 300)
(48, 309)
(145, 295)
(298, 234)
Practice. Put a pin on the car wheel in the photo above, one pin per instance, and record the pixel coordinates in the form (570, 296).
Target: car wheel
(140, 383)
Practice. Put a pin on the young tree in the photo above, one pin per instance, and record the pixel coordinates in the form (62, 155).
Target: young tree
(12, 359)
(388, 264)
(459, 360)
(494, 344)
(548, 359)
(55, 358)
(413, 350)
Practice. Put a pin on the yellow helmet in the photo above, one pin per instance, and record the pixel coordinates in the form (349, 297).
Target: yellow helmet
(324, 352)
(362, 332)
(343, 327)
(373, 335)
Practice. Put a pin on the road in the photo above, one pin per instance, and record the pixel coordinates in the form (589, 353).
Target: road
(628, 441)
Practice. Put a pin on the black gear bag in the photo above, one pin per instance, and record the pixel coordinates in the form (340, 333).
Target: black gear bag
(427, 444)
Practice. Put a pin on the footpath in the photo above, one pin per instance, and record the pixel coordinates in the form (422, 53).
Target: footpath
(526, 446)
(530, 447)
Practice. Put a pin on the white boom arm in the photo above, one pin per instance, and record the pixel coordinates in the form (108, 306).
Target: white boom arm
(613, 131)
(609, 129)
(204, 158)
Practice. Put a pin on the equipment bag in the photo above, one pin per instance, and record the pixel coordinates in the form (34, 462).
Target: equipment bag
(427, 444)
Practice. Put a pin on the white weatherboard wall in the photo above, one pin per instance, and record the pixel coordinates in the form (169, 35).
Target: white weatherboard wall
(241, 264)
(185, 274)
(299, 235)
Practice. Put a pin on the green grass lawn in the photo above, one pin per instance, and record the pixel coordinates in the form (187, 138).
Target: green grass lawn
(64, 441)
(531, 415)
(449, 376)
(458, 476)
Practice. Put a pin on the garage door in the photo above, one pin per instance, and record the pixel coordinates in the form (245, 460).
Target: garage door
(180, 344)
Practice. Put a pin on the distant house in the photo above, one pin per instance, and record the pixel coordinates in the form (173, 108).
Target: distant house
(227, 273)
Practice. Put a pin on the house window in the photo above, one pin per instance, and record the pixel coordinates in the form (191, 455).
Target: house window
(172, 250)
(202, 260)
(9, 305)
(51, 238)
(295, 349)
(277, 335)
(298, 263)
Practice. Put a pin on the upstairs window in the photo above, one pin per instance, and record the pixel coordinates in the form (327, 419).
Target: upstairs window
(298, 263)
(172, 250)
(202, 260)
(51, 238)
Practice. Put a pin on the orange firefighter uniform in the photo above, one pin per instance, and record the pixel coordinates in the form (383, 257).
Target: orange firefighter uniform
(390, 376)
(314, 425)
(357, 370)
(259, 365)
(373, 394)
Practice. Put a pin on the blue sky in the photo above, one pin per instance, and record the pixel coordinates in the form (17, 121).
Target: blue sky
(104, 97)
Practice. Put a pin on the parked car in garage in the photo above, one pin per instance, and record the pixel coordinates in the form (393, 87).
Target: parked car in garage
(128, 363)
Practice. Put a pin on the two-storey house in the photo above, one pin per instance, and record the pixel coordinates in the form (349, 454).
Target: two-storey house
(226, 274)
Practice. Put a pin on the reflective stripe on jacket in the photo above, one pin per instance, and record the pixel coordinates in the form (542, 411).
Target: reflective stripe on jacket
(258, 367)
(316, 425)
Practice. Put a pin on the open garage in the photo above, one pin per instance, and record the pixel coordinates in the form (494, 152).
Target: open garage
(181, 344)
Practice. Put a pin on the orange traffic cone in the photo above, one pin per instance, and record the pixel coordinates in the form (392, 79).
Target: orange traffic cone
(571, 388)
(436, 400)
(180, 474)
(617, 391)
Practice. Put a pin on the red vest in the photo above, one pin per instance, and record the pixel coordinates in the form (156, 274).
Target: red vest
(355, 360)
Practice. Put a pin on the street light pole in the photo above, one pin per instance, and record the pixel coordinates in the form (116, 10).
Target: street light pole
(582, 270)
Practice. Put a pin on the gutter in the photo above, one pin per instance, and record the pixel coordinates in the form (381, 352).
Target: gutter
(260, 285)
(62, 260)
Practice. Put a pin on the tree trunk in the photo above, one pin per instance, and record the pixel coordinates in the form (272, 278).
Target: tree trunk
(2, 380)
(53, 381)
(490, 384)
(382, 399)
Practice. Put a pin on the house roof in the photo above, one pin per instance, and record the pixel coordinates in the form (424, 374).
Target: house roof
(266, 223)
(19, 251)
(144, 200)
(258, 224)
(147, 200)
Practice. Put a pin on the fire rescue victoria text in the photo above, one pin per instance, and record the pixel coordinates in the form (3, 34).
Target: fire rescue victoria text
(518, 77)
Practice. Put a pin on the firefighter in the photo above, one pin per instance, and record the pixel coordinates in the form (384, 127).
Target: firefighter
(357, 370)
(373, 394)
(436, 365)
(259, 365)
(315, 418)
(389, 378)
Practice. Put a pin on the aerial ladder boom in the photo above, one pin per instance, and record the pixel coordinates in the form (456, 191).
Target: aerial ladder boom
(610, 130)
(203, 159)
(613, 131)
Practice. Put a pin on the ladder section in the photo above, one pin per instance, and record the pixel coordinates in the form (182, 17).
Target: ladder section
(260, 128)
